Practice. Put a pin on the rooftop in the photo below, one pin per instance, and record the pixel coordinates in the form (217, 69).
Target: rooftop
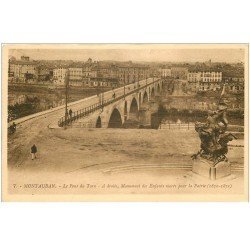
(19, 62)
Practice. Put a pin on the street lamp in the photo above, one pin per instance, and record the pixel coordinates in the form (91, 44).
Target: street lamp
(102, 97)
(124, 84)
(66, 94)
(138, 76)
(99, 91)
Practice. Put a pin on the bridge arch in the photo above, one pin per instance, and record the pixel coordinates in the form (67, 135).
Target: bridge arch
(134, 109)
(98, 122)
(145, 97)
(153, 92)
(158, 88)
(115, 120)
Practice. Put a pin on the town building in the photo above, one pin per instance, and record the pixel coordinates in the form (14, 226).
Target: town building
(165, 72)
(88, 71)
(211, 76)
(130, 74)
(179, 73)
(59, 75)
(103, 82)
(109, 71)
(96, 74)
(233, 87)
(44, 73)
(25, 58)
(76, 76)
(234, 84)
(234, 79)
(23, 71)
(194, 77)
(205, 86)
(204, 81)
(204, 77)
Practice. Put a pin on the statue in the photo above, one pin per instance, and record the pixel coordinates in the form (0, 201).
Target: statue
(214, 140)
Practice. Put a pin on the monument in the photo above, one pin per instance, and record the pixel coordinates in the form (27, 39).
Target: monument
(211, 160)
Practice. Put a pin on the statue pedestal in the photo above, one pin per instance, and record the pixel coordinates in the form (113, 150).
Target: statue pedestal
(207, 169)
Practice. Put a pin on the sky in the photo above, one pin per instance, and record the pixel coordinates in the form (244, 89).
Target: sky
(145, 54)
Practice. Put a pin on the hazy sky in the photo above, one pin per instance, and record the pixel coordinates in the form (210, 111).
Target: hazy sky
(135, 54)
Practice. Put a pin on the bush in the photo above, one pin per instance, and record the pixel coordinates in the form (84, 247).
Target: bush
(20, 110)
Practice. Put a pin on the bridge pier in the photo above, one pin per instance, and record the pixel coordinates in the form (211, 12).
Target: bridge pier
(146, 112)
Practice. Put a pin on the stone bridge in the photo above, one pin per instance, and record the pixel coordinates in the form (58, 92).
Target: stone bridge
(113, 108)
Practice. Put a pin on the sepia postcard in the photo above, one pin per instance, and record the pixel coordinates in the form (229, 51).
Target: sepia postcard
(125, 122)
